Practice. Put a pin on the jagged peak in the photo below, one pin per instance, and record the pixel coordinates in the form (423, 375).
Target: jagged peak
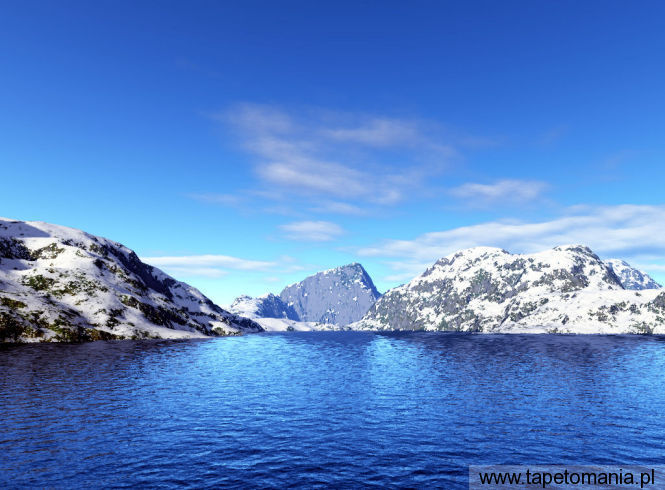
(471, 253)
(575, 247)
(354, 267)
(631, 277)
(478, 251)
(620, 262)
(243, 297)
(481, 251)
(488, 258)
(338, 295)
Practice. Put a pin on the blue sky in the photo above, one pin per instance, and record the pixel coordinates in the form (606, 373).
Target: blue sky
(243, 145)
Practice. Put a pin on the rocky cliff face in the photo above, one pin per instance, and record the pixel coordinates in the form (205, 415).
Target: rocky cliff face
(630, 277)
(61, 284)
(338, 296)
(567, 289)
(335, 297)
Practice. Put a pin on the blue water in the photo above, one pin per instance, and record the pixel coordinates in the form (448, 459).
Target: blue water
(339, 409)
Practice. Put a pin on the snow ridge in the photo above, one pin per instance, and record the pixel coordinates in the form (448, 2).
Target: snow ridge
(62, 284)
(568, 289)
(630, 277)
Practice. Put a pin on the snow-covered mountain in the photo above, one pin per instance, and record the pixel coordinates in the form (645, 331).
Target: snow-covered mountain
(266, 306)
(62, 284)
(273, 314)
(630, 277)
(566, 289)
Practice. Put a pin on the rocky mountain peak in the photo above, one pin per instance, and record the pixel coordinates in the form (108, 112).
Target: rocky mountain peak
(337, 296)
(630, 277)
(340, 296)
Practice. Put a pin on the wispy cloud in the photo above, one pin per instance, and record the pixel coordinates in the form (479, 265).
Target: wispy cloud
(224, 199)
(210, 272)
(336, 207)
(502, 191)
(312, 231)
(209, 260)
(378, 132)
(382, 133)
(321, 154)
(207, 265)
(624, 231)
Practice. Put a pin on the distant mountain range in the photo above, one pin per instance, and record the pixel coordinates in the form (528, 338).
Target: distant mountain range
(335, 297)
(567, 289)
(62, 284)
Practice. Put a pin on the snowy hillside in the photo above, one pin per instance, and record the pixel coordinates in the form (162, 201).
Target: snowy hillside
(61, 284)
(566, 289)
(630, 277)
(266, 306)
(286, 325)
(338, 296)
(273, 314)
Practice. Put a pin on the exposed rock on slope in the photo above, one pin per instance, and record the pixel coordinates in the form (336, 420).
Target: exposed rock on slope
(61, 284)
(630, 277)
(273, 314)
(324, 301)
(339, 296)
(567, 289)
(266, 306)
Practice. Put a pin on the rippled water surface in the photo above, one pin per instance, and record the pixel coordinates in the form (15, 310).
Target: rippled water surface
(340, 409)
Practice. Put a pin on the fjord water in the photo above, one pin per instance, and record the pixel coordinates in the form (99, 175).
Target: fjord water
(343, 409)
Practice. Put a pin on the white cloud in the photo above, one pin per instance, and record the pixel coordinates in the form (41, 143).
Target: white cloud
(650, 267)
(625, 231)
(213, 266)
(376, 132)
(259, 118)
(208, 260)
(314, 176)
(206, 265)
(502, 191)
(338, 155)
(210, 272)
(386, 133)
(312, 231)
(337, 207)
